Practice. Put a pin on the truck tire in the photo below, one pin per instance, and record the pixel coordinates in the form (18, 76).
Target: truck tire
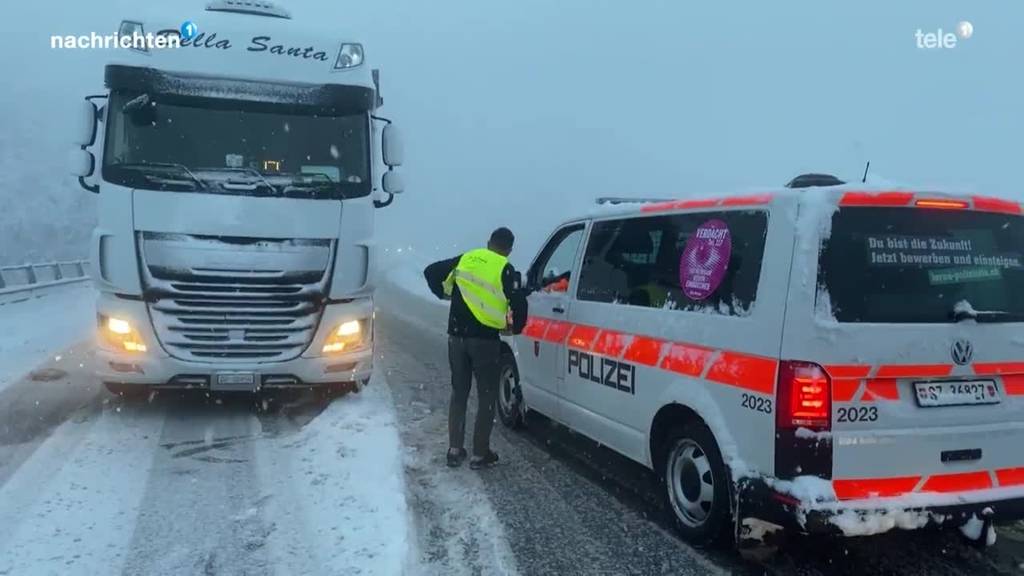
(696, 485)
(510, 396)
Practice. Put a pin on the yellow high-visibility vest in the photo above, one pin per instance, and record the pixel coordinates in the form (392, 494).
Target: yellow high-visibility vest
(478, 276)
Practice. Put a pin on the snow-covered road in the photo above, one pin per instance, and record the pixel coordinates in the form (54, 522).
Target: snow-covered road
(298, 484)
(46, 323)
(186, 484)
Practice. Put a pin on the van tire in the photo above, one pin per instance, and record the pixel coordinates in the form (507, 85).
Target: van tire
(695, 484)
(510, 396)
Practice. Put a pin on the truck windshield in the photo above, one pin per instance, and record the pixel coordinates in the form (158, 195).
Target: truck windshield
(913, 265)
(162, 144)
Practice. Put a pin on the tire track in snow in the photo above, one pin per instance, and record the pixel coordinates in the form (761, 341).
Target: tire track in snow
(554, 520)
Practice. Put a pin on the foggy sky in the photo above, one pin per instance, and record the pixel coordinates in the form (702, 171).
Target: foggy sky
(521, 113)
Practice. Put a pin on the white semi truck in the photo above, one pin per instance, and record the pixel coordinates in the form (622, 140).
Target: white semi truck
(236, 178)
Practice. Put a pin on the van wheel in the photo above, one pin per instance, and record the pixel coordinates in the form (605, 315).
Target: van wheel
(510, 396)
(696, 484)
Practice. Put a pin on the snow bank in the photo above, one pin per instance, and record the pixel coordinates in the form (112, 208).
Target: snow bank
(37, 329)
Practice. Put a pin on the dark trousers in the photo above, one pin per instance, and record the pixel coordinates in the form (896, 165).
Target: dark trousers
(471, 357)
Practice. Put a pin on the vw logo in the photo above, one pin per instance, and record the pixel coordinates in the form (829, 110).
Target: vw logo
(962, 351)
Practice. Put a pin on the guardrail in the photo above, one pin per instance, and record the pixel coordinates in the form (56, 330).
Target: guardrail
(28, 277)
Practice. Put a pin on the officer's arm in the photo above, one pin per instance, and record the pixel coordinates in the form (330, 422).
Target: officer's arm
(508, 284)
(516, 299)
(436, 274)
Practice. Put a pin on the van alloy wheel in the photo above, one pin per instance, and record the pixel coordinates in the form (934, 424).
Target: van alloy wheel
(691, 483)
(510, 400)
(696, 484)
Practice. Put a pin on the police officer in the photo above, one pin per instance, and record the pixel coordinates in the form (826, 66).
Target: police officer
(480, 284)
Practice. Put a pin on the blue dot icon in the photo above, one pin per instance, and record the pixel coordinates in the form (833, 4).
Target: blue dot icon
(189, 30)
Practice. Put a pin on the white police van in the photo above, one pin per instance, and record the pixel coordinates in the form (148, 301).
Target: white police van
(828, 358)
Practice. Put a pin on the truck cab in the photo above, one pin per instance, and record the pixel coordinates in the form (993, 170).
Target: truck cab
(236, 177)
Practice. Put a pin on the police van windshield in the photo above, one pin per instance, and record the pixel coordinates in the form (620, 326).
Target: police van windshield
(179, 145)
(901, 265)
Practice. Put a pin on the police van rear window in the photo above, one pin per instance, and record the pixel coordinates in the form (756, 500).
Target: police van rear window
(700, 262)
(913, 265)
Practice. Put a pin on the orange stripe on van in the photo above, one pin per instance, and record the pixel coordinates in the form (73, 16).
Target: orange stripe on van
(988, 368)
(1011, 372)
(610, 343)
(557, 331)
(961, 482)
(886, 389)
(846, 379)
(658, 206)
(848, 371)
(844, 389)
(535, 327)
(876, 199)
(686, 359)
(1014, 384)
(988, 204)
(1010, 476)
(914, 370)
(874, 487)
(706, 203)
(644, 350)
(681, 205)
(582, 337)
(752, 373)
(752, 200)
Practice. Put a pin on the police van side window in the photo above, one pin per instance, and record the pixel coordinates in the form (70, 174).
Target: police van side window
(708, 262)
(553, 270)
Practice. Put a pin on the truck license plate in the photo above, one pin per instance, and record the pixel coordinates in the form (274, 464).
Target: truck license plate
(960, 393)
(234, 381)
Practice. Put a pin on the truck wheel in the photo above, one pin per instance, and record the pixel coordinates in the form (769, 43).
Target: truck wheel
(510, 396)
(696, 484)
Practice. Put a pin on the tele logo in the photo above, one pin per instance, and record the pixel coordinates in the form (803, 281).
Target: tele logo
(942, 39)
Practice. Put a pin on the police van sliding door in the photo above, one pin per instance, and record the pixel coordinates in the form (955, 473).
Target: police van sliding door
(542, 344)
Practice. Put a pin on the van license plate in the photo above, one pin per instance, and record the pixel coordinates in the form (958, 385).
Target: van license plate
(960, 393)
(234, 381)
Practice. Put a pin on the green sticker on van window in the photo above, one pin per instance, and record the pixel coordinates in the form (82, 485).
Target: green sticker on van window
(962, 275)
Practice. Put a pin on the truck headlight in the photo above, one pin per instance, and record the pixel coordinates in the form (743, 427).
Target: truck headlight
(349, 56)
(347, 336)
(120, 333)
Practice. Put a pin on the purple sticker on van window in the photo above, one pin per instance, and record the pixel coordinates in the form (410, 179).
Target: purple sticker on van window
(705, 259)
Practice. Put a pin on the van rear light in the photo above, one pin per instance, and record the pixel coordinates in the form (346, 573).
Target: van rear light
(804, 397)
(941, 204)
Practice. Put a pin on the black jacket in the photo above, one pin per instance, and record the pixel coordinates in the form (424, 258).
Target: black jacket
(461, 321)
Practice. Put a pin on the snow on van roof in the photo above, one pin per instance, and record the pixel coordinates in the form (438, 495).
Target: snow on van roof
(847, 194)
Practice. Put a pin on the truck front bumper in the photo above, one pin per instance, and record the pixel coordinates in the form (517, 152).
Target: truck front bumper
(156, 368)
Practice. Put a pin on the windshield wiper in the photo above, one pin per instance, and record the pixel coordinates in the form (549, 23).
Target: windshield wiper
(245, 179)
(305, 182)
(180, 168)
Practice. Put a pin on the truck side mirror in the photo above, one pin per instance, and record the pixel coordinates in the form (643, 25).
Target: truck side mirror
(81, 163)
(391, 146)
(85, 126)
(393, 182)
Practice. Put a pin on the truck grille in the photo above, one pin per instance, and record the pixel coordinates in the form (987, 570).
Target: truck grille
(218, 300)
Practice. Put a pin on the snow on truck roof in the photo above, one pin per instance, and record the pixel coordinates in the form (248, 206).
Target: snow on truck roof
(246, 40)
(847, 195)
